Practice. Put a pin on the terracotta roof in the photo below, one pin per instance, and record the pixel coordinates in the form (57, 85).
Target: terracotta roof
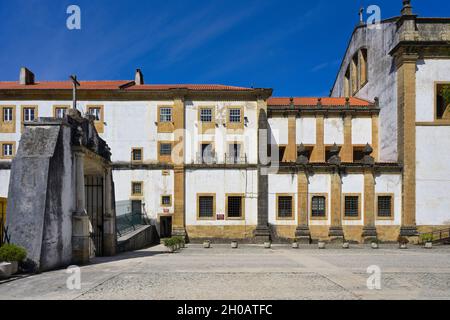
(330, 102)
(115, 85)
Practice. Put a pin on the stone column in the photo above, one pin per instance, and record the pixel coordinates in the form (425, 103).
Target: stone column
(336, 233)
(302, 233)
(262, 232)
(179, 222)
(369, 230)
(375, 137)
(406, 71)
(109, 221)
(347, 148)
(291, 149)
(80, 218)
(318, 153)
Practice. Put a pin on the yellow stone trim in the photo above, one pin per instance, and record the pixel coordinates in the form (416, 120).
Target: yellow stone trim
(344, 195)
(59, 106)
(9, 126)
(165, 127)
(369, 199)
(446, 117)
(311, 196)
(375, 137)
(292, 195)
(133, 194)
(347, 149)
(318, 153)
(22, 114)
(132, 155)
(221, 232)
(166, 205)
(165, 158)
(392, 217)
(100, 124)
(242, 195)
(207, 127)
(302, 200)
(2, 143)
(291, 149)
(214, 206)
(235, 125)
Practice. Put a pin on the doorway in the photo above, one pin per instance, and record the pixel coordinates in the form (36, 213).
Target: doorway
(165, 227)
(94, 208)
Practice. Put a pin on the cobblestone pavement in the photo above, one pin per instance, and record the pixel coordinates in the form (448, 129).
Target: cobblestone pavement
(250, 272)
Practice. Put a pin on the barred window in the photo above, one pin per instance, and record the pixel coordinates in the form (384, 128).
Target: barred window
(28, 114)
(96, 113)
(165, 149)
(166, 200)
(235, 115)
(206, 115)
(318, 206)
(137, 154)
(385, 206)
(351, 206)
(7, 114)
(285, 206)
(234, 207)
(206, 206)
(7, 150)
(136, 188)
(165, 115)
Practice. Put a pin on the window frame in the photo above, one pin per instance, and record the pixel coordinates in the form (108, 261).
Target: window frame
(344, 216)
(214, 213)
(11, 114)
(7, 126)
(60, 107)
(170, 201)
(13, 150)
(134, 194)
(99, 124)
(311, 197)
(436, 94)
(234, 125)
(160, 114)
(133, 160)
(392, 216)
(278, 196)
(235, 195)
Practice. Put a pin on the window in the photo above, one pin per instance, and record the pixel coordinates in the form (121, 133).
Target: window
(7, 114)
(354, 74)
(28, 114)
(206, 206)
(136, 188)
(206, 115)
(166, 201)
(281, 152)
(318, 206)
(351, 206)
(136, 154)
(362, 67)
(384, 206)
(60, 112)
(207, 155)
(443, 101)
(165, 149)
(165, 115)
(235, 206)
(235, 115)
(234, 155)
(96, 112)
(7, 150)
(347, 83)
(284, 207)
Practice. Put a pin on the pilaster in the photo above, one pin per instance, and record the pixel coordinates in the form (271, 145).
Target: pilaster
(302, 233)
(336, 232)
(369, 230)
(318, 153)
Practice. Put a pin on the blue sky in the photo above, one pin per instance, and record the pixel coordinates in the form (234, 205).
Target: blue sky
(292, 46)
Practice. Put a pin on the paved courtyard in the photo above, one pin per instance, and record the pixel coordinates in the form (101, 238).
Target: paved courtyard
(250, 272)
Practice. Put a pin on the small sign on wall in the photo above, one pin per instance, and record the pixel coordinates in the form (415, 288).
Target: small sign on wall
(220, 216)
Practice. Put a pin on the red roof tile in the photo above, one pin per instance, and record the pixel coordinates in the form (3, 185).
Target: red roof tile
(282, 102)
(115, 85)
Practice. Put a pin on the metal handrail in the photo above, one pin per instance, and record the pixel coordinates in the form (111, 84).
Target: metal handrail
(129, 222)
(437, 235)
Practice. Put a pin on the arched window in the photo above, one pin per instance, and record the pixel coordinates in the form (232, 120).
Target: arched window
(356, 75)
(363, 67)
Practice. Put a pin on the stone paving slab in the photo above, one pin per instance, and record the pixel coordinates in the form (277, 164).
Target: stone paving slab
(250, 272)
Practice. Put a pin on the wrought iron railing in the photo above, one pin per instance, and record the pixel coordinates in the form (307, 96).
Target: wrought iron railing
(206, 158)
(438, 236)
(4, 237)
(233, 159)
(129, 222)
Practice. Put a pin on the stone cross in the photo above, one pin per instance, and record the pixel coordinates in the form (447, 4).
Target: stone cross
(75, 84)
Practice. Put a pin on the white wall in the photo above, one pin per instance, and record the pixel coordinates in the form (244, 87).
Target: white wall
(306, 130)
(390, 183)
(362, 131)
(221, 182)
(279, 130)
(155, 184)
(282, 183)
(320, 183)
(353, 183)
(428, 72)
(4, 183)
(334, 130)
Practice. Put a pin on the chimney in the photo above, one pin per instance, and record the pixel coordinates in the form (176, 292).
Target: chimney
(26, 76)
(407, 8)
(139, 77)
